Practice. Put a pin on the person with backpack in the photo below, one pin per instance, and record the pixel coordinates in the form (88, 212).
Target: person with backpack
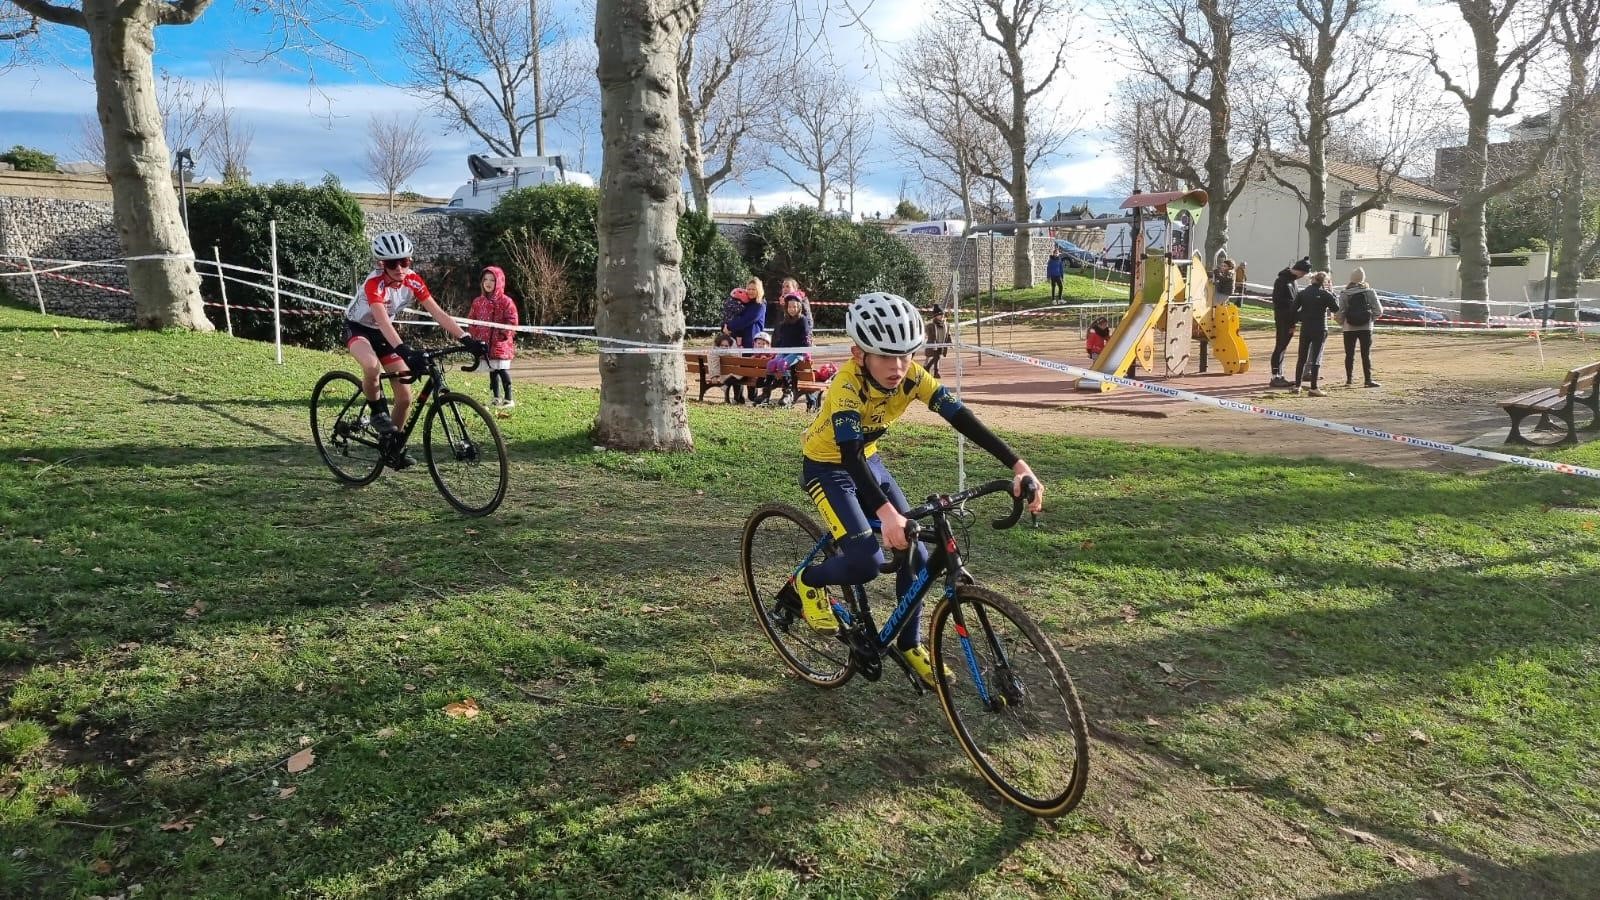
(1359, 307)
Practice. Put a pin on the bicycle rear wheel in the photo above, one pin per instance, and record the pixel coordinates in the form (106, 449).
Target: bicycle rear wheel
(1010, 702)
(466, 455)
(343, 430)
(776, 541)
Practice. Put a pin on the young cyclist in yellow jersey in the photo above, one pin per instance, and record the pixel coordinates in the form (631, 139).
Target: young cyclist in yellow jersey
(844, 473)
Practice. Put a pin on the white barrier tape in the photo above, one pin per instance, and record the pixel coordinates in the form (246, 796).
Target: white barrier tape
(1422, 327)
(1293, 418)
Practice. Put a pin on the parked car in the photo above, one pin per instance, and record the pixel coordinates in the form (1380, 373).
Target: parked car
(1403, 309)
(1585, 313)
(1077, 257)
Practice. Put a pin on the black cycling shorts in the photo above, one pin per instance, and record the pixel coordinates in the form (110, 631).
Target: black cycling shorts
(380, 344)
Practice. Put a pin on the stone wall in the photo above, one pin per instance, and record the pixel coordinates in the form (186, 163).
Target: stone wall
(82, 230)
(943, 256)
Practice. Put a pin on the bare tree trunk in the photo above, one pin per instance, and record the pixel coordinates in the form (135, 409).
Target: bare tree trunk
(536, 77)
(1574, 160)
(640, 285)
(1219, 159)
(695, 165)
(1317, 229)
(1022, 246)
(1472, 233)
(166, 292)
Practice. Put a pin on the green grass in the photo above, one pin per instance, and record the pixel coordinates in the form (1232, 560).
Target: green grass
(187, 599)
(1077, 289)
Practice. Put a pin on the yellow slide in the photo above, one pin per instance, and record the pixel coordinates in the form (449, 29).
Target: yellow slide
(1132, 336)
(1220, 322)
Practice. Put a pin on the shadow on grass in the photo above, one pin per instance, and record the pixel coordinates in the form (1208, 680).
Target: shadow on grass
(1574, 875)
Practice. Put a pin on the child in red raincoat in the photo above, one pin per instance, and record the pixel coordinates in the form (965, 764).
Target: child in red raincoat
(494, 306)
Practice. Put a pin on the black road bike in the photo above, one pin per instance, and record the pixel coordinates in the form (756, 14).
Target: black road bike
(461, 442)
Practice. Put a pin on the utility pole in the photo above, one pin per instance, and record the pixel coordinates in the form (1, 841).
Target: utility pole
(538, 88)
(1550, 254)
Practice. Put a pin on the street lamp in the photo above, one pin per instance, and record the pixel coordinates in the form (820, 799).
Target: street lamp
(184, 163)
(1550, 253)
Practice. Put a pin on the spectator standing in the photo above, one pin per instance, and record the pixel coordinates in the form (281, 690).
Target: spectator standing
(493, 305)
(938, 333)
(1359, 307)
(1283, 316)
(1055, 270)
(1311, 311)
(744, 316)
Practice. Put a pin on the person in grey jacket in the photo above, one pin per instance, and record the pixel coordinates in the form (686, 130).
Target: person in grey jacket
(1359, 307)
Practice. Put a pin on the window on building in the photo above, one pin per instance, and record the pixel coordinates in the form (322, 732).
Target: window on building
(1394, 223)
(1416, 225)
(1433, 231)
(1361, 222)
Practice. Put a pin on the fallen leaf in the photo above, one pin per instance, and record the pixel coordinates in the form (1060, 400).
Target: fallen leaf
(177, 825)
(763, 810)
(1357, 835)
(1420, 736)
(1435, 817)
(301, 761)
(100, 867)
(472, 531)
(1464, 877)
(813, 764)
(1295, 840)
(466, 709)
(255, 817)
(305, 741)
(1373, 737)
(630, 741)
(1152, 721)
(1167, 667)
(1129, 614)
(385, 732)
(218, 841)
(410, 688)
(299, 687)
(98, 570)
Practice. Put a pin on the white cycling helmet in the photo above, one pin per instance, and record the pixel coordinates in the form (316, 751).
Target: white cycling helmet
(391, 245)
(885, 324)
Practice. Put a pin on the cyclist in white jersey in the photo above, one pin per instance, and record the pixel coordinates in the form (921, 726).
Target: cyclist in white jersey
(371, 336)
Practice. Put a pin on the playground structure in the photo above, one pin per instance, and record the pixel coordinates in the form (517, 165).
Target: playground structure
(1171, 292)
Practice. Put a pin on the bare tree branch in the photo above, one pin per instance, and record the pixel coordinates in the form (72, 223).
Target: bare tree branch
(396, 150)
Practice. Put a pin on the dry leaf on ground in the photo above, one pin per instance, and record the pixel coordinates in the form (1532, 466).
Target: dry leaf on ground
(466, 709)
(218, 841)
(301, 761)
(1358, 835)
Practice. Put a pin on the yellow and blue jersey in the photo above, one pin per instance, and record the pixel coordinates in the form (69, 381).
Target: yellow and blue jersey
(855, 409)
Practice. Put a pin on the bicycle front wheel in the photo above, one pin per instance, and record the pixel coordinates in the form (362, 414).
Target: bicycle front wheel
(776, 542)
(342, 428)
(466, 455)
(1010, 701)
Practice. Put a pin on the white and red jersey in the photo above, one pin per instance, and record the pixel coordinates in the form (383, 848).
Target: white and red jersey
(377, 290)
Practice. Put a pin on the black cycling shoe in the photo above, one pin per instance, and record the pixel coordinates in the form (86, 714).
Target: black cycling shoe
(400, 461)
(383, 424)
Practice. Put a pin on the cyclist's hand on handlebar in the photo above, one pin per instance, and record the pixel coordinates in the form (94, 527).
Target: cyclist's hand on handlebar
(478, 348)
(1021, 471)
(413, 358)
(894, 527)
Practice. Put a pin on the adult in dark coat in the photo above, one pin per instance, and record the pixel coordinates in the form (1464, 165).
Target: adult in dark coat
(1283, 317)
(1311, 311)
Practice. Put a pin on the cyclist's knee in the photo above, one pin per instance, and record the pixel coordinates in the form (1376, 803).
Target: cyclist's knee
(862, 557)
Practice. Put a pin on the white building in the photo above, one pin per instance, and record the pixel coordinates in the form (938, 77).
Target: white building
(1266, 227)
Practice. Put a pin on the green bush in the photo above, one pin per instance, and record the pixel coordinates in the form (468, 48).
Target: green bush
(831, 258)
(711, 268)
(545, 238)
(906, 211)
(27, 159)
(560, 219)
(320, 240)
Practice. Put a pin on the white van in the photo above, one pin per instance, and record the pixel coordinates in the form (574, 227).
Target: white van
(933, 226)
(493, 176)
(1119, 240)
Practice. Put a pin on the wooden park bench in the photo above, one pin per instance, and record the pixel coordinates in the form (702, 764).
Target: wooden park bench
(1578, 389)
(752, 369)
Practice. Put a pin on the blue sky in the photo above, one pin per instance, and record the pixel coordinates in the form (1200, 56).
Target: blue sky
(310, 115)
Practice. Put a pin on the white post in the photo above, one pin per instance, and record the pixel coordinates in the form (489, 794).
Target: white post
(222, 285)
(955, 338)
(277, 314)
(37, 293)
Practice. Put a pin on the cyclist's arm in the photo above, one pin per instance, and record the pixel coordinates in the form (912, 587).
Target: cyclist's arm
(382, 322)
(852, 441)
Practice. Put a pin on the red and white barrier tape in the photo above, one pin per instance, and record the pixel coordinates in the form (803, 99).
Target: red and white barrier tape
(55, 273)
